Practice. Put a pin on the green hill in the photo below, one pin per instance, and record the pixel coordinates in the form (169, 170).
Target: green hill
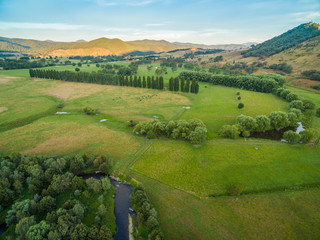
(284, 41)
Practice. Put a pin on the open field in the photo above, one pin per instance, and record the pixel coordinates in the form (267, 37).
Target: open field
(218, 105)
(280, 215)
(214, 167)
(178, 176)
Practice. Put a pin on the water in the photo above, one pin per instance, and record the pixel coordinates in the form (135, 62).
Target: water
(121, 204)
(3, 228)
(300, 128)
(121, 208)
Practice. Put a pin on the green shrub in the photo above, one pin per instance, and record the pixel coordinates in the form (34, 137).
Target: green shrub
(90, 111)
(298, 104)
(239, 98)
(318, 112)
(151, 134)
(230, 131)
(235, 190)
(291, 136)
(240, 105)
(308, 104)
(307, 135)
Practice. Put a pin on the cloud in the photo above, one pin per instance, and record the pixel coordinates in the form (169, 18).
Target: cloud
(107, 3)
(305, 16)
(41, 26)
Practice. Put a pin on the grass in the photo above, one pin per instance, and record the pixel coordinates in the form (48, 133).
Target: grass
(214, 167)
(178, 177)
(218, 105)
(69, 134)
(286, 215)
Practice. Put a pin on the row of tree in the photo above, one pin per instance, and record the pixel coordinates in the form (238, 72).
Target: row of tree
(93, 77)
(259, 83)
(46, 179)
(149, 82)
(312, 74)
(147, 215)
(176, 84)
(193, 130)
(8, 64)
(276, 120)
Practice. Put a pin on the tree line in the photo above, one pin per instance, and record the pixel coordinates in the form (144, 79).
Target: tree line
(193, 130)
(113, 79)
(147, 215)
(142, 82)
(179, 83)
(259, 83)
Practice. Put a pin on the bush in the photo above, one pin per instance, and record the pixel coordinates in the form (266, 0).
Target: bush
(239, 98)
(298, 104)
(90, 111)
(240, 105)
(151, 134)
(230, 131)
(318, 112)
(307, 135)
(235, 190)
(308, 104)
(291, 136)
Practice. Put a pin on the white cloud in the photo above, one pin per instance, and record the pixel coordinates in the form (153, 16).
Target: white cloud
(107, 3)
(305, 16)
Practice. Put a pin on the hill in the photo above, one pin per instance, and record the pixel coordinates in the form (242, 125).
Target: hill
(99, 47)
(284, 41)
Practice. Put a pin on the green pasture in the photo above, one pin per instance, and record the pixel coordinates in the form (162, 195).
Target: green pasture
(279, 215)
(215, 166)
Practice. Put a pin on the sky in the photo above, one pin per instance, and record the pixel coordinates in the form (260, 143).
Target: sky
(200, 21)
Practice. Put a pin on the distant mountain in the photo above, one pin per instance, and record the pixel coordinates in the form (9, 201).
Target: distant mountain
(100, 47)
(284, 41)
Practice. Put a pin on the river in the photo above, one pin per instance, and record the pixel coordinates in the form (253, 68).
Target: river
(121, 204)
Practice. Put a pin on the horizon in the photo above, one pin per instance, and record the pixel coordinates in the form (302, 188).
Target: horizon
(203, 22)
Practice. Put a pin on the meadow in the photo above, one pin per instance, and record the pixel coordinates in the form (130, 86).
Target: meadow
(178, 177)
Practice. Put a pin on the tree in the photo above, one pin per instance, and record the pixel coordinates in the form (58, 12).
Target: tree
(307, 135)
(263, 123)
(308, 104)
(246, 122)
(23, 226)
(230, 131)
(102, 210)
(144, 84)
(298, 104)
(78, 210)
(77, 165)
(278, 119)
(77, 183)
(318, 112)
(105, 183)
(198, 136)
(47, 204)
(38, 231)
(235, 190)
(152, 223)
(240, 105)
(79, 64)
(77, 69)
(80, 232)
(291, 136)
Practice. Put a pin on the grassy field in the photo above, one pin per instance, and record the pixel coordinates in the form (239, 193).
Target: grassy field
(177, 175)
(280, 215)
(214, 167)
(218, 105)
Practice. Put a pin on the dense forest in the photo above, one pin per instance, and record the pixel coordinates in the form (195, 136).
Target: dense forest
(43, 198)
(286, 40)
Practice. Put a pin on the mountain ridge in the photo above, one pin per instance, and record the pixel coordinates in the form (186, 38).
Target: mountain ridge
(99, 46)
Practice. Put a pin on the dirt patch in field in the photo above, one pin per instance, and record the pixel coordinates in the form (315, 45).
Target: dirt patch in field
(2, 109)
(305, 82)
(69, 91)
(4, 79)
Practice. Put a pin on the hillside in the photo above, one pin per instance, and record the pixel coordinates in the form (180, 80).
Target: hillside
(284, 41)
